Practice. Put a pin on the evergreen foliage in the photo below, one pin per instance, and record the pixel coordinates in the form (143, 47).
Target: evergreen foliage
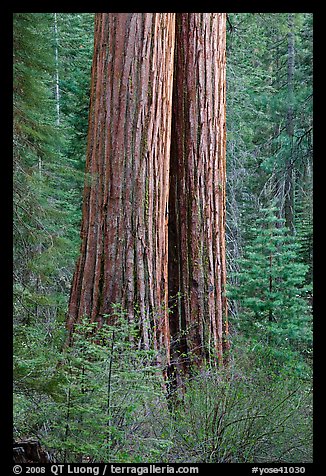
(107, 385)
(102, 400)
(35, 140)
(47, 184)
(271, 287)
(95, 399)
(262, 157)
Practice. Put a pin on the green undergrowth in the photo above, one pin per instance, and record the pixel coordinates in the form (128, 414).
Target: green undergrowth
(104, 399)
(257, 410)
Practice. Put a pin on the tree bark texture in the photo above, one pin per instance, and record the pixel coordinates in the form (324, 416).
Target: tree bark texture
(197, 276)
(124, 250)
(130, 254)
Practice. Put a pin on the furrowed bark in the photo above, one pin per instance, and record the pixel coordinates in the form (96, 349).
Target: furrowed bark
(124, 247)
(198, 322)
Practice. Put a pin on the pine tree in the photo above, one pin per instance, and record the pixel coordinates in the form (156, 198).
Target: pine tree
(34, 149)
(271, 286)
(45, 217)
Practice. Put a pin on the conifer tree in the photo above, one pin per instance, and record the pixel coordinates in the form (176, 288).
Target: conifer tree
(271, 288)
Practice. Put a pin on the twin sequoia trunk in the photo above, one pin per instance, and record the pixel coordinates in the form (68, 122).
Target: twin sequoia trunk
(125, 237)
(124, 248)
(197, 192)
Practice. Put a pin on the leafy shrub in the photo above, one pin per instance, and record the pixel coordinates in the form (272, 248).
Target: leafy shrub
(228, 418)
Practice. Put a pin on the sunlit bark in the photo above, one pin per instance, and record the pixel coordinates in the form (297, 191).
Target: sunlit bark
(126, 209)
(124, 248)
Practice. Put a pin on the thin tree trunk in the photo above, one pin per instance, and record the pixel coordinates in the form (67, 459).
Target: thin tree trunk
(197, 192)
(124, 246)
(109, 394)
(56, 54)
(289, 173)
(270, 312)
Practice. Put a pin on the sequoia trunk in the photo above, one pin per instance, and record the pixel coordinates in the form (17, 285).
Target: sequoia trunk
(125, 241)
(124, 246)
(198, 318)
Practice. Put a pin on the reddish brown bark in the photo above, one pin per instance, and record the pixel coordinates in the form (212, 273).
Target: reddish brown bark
(198, 321)
(125, 241)
(124, 248)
